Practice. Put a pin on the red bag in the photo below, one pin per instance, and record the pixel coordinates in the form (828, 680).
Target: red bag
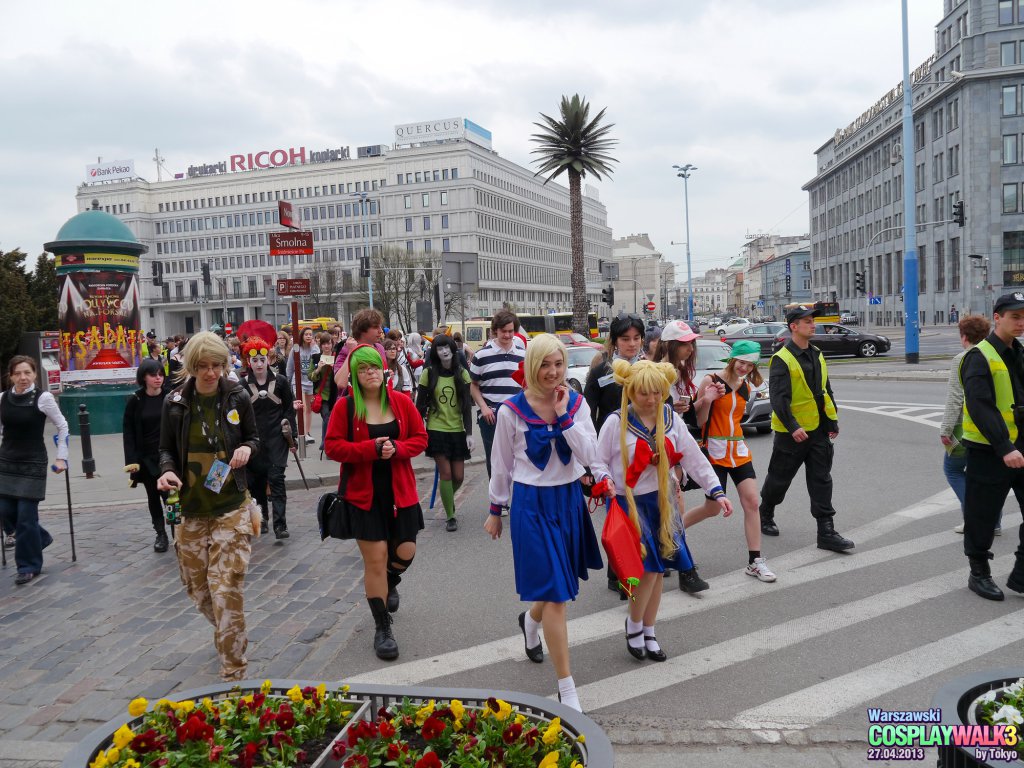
(622, 543)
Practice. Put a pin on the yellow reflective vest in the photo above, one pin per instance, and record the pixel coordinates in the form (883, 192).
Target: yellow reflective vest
(1004, 395)
(804, 407)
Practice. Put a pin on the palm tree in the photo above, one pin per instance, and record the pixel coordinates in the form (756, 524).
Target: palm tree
(577, 145)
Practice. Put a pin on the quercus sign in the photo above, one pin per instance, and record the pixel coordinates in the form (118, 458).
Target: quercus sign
(269, 158)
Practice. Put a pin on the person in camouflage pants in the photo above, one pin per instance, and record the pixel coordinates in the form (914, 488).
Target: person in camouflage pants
(207, 436)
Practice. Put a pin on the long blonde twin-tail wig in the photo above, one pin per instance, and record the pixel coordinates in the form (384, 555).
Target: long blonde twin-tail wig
(647, 376)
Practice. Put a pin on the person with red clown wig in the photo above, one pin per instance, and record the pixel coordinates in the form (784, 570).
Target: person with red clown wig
(272, 402)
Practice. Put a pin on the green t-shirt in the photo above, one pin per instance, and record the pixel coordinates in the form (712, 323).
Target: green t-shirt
(445, 415)
(203, 447)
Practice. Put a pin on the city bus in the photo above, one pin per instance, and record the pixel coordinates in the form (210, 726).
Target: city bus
(828, 311)
(557, 322)
(317, 324)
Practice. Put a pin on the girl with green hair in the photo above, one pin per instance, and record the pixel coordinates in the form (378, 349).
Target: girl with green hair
(375, 433)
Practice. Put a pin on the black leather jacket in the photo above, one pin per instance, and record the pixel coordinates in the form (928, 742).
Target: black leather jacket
(177, 419)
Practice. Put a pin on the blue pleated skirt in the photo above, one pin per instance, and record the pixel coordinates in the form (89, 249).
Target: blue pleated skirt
(650, 525)
(553, 541)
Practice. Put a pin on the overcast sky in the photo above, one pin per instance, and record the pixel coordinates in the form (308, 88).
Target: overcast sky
(744, 90)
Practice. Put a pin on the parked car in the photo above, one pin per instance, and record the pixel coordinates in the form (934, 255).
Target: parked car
(714, 322)
(571, 339)
(758, 413)
(763, 333)
(578, 365)
(848, 318)
(732, 326)
(834, 339)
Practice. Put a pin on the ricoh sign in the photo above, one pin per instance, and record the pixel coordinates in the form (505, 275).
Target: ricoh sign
(110, 171)
(268, 158)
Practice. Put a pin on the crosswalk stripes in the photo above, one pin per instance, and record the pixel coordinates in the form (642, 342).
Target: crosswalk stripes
(929, 415)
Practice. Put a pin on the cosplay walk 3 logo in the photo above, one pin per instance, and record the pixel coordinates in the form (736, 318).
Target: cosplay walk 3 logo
(905, 734)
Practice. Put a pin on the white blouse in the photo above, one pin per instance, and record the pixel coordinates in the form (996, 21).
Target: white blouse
(48, 407)
(510, 464)
(609, 458)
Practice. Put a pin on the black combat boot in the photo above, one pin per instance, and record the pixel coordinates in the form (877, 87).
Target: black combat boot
(1016, 580)
(393, 598)
(829, 539)
(980, 581)
(690, 582)
(384, 643)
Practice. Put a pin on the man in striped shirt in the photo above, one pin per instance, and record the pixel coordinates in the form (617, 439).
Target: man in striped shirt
(491, 370)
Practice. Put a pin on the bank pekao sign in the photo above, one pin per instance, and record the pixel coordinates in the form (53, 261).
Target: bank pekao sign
(110, 171)
(268, 158)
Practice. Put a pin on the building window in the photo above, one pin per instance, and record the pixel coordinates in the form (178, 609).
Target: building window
(426, 200)
(444, 198)
(1007, 54)
(1006, 12)
(407, 199)
(408, 223)
(940, 266)
(954, 264)
(1010, 149)
(1009, 100)
(426, 223)
(426, 246)
(936, 123)
(408, 246)
(444, 221)
(446, 245)
(1009, 198)
(918, 140)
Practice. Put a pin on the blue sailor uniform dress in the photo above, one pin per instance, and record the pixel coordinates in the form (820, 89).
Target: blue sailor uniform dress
(535, 471)
(642, 476)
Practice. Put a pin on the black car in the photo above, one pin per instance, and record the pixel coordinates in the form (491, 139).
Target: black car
(835, 339)
(763, 333)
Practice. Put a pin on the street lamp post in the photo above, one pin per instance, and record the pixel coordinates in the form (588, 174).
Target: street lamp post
(366, 245)
(683, 172)
(910, 266)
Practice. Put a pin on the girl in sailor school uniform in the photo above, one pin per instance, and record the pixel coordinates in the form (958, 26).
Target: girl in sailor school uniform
(637, 450)
(544, 437)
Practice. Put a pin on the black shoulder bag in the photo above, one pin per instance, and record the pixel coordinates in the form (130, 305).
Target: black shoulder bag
(333, 513)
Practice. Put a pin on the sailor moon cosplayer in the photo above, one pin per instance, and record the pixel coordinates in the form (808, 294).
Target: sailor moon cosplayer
(544, 437)
(636, 450)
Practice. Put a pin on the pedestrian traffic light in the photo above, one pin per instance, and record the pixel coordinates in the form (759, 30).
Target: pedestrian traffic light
(959, 213)
(364, 266)
(206, 273)
(608, 295)
(858, 282)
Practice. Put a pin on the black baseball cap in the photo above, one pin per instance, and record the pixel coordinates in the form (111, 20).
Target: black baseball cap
(150, 335)
(1009, 301)
(799, 311)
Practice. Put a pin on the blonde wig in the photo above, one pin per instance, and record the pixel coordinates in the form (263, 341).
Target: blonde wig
(205, 345)
(540, 346)
(648, 376)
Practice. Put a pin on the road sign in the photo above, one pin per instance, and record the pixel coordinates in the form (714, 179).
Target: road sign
(650, 306)
(286, 213)
(875, 300)
(760, 303)
(296, 286)
(291, 243)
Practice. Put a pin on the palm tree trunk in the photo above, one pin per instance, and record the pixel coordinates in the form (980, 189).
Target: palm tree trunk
(580, 305)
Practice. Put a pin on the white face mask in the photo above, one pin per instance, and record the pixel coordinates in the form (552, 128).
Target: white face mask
(258, 364)
(444, 354)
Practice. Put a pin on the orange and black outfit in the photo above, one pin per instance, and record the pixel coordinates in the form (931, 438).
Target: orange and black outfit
(722, 439)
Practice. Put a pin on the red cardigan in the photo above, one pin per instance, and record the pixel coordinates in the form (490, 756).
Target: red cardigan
(358, 456)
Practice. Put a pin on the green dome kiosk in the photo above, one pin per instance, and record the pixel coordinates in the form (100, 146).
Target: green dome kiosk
(100, 323)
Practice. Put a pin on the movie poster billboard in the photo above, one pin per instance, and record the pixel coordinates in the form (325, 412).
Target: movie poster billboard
(98, 314)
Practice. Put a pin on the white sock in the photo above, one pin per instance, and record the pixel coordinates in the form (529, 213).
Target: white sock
(532, 630)
(652, 645)
(567, 693)
(633, 627)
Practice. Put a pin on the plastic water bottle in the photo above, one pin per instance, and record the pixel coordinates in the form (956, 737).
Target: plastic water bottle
(172, 509)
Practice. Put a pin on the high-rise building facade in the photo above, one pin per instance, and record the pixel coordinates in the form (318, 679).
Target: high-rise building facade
(968, 104)
(448, 194)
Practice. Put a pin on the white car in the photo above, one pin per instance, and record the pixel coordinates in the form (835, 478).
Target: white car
(734, 325)
(579, 360)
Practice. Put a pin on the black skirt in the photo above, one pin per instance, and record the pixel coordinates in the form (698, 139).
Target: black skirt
(448, 445)
(383, 521)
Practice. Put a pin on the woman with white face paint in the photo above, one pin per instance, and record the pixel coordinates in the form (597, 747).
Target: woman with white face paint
(443, 398)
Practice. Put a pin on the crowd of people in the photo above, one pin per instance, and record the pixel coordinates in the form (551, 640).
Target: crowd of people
(209, 431)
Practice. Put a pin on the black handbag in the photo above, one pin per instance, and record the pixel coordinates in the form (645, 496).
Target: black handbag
(333, 513)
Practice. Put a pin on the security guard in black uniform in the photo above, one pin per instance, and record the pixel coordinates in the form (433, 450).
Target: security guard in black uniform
(805, 423)
(993, 377)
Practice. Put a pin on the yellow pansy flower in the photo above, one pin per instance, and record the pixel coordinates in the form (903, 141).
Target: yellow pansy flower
(113, 755)
(575, 764)
(164, 704)
(123, 736)
(185, 706)
(424, 712)
(504, 710)
(295, 694)
(137, 707)
(345, 688)
(132, 763)
(267, 685)
(207, 704)
(550, 759)
(521, 719)
(321, 691)
(457, 709)
(552, 731)
(100, 761)
(582, 739)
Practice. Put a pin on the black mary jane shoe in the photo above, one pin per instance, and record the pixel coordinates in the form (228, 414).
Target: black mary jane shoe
(636, 653)
(658, 655)
(535, 654)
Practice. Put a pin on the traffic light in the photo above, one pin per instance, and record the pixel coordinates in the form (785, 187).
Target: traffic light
(158, 273)
(959, 213)
(858, 282)
(364, 266)
(608, 295)
(206, 273)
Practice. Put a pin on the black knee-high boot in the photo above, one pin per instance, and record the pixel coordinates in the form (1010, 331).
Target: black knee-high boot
(384, 643)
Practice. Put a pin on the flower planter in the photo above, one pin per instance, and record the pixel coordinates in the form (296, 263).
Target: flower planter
(590, 745)
(959, 700)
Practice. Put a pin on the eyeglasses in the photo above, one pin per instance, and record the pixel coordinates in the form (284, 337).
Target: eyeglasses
(262, 352)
